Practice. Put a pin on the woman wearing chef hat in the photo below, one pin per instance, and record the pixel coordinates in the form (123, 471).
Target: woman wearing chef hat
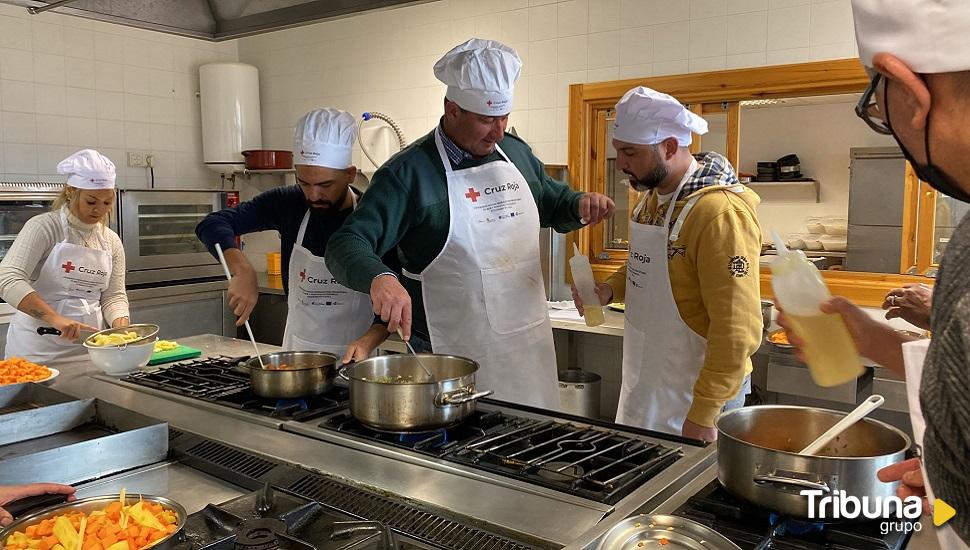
(66, 269)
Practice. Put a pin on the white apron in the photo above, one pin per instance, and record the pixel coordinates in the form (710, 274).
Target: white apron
(321, 314)
(914, 356)
(662, 356)
(71, 282)
(483, 294)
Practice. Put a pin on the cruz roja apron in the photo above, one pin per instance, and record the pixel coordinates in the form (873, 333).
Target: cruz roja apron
(914, 356)
(322, 315)
(71, 282)
(662, 356)
(483, 294)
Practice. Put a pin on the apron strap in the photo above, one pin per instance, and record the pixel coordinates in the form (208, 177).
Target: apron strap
(300, 234)
(679, 224)
(412, 276)
(680, 186)
(441, 151)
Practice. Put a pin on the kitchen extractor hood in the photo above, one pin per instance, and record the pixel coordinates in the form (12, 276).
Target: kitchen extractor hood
(213, 20)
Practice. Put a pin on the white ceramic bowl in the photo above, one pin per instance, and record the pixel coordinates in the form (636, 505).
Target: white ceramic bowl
(833, 243)
(836, 226)
(121, 360)
(814, 226)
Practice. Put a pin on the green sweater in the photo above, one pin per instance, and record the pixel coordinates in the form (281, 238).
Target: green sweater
(406, 206)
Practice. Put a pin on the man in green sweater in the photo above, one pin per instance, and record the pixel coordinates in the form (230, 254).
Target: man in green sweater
(463, 205)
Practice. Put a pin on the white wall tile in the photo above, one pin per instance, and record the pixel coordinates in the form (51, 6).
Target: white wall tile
(670, 67)
(19, 128)
(708, 37)
(162, 137)
(515, 26)
(109, 48)
(671, 42)
(747, 32)
(49, 156)
(784, 57)
(826, 52)
(162, 83)
(110, 105)
(138, 108)
(604, 49)
(17, 96)
(48, 38)
(563, 81)
(636, 45)
(788, 28)
(573, 17)
(160, 57)
(81, 102)
(111, 133)
(603, 75)
(635, 71)
(604, 15)
(109, 76)
(542, 124)
(572, 53)
(50, 100)
(79, 73)
(78, 43)
(52, 130)
(705, 64)
(48, 68)
(138, 135)
(781, 4)
(16, 65)
(521, 99)
(832, 23)
(162, 110)
(82, 132)
(543, 57)
(19, 158)
(704, 9)
(543, 22)
(136, 52)
(15, 33)
(745, 6)
(542, 92)
(745, 60)
(666, 11)
(137, 80)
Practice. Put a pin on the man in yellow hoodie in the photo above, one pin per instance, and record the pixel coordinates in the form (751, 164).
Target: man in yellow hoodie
(693, 312)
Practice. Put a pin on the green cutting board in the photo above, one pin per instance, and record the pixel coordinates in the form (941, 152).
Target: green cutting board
(174, 354)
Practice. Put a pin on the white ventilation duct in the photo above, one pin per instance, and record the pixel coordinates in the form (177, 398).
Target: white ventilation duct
(229, 94)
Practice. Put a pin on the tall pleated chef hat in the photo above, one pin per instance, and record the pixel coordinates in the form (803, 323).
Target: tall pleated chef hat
(88, 169)
(325, 137)
(647, 117)
(930, 36)
(480, 75)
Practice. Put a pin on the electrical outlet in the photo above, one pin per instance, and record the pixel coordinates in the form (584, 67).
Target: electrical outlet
(140, 159)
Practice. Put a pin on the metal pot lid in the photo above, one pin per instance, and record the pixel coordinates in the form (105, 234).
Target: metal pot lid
(658, 531)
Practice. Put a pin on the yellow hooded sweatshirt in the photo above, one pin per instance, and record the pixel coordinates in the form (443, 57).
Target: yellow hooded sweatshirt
(714, 278)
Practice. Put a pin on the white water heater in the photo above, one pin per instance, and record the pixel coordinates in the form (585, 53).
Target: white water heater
(229, 93)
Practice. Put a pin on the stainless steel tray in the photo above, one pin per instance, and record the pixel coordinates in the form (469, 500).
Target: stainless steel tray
(77, 441)
(661, 531)
(18, 397)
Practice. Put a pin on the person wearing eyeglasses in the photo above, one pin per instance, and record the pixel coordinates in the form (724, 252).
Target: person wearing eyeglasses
(916, 54)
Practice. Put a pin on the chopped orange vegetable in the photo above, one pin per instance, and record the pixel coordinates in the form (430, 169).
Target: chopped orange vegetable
(150, 523)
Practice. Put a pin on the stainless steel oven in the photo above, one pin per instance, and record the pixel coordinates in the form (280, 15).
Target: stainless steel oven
(157, 229)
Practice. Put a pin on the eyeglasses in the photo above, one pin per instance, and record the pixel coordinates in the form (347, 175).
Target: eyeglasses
(868, 110)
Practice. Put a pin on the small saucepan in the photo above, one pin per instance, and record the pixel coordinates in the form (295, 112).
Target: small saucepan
(292, 374)
(264, 159)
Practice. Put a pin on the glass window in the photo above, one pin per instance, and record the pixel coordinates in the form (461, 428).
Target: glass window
(949, 212)
(616, 231)
(170, 228)
(13, 215)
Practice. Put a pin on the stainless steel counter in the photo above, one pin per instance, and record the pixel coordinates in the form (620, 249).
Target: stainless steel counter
(513, 506)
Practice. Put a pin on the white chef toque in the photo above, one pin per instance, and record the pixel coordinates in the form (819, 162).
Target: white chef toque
(88, 169)
(647, 117)
(930, 36)
(480, 75)
(325, 137)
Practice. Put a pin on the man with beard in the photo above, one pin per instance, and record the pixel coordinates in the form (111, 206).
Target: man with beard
(920, 94)
(693, 303)
(322, 315)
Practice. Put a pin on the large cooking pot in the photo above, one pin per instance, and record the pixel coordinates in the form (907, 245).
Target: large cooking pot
(381, 401)
(91, 504)
(757, 456)
(265, 159)
(292, 374)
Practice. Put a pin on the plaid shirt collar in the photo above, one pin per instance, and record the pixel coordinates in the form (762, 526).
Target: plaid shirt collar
(713, 169)
(456, 154)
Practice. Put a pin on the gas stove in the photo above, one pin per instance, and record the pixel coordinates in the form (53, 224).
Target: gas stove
(751, 527)
(593, 462)
(220, 380)
(272, 519)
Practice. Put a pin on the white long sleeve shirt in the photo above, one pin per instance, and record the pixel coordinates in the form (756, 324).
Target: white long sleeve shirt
(21, 265)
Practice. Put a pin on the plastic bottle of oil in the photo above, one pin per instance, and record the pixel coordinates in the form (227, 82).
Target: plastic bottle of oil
(586, 286)
(800, 290)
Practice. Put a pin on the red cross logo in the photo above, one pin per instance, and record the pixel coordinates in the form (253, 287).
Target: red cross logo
(68, 267)
(303, 275)
(472, 194)
(489, 103)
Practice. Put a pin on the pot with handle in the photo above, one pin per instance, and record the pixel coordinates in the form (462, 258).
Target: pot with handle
(389, 393)
(265, 159)
(758, 460)
(292, 374)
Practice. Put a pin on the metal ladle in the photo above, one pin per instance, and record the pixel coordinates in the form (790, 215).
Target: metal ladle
(416, 358)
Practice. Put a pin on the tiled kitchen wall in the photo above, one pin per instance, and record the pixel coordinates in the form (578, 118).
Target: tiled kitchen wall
(383, 60)
(68, 83)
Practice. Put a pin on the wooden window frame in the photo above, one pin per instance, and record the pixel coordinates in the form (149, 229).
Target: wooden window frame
(589, 102)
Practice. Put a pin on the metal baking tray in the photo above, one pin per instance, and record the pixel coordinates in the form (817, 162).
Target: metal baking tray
(18, 397)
